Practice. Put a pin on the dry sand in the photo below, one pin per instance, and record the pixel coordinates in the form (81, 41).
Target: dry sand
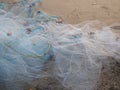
(76, 11)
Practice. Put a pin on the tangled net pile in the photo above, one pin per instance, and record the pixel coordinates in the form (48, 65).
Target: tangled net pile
(28, 40)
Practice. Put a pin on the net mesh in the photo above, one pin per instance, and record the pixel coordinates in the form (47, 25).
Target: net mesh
(26, 43)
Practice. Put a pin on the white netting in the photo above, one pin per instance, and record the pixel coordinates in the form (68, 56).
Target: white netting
(79, 51)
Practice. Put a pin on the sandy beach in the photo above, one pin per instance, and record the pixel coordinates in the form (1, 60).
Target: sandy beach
(76, 11)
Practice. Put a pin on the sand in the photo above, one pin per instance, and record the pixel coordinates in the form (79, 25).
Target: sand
(76, 11)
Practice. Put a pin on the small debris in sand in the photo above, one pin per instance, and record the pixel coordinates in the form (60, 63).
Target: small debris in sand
(60, 20)
(116, 27)
(14, 1)
(94, 3)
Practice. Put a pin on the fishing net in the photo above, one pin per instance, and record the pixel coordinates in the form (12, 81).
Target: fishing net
(80, 53)
(28, 40)
(22, 53)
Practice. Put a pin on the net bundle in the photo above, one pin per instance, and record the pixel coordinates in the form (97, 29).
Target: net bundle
(27, 41)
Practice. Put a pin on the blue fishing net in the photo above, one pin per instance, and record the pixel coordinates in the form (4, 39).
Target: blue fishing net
(1, 5)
